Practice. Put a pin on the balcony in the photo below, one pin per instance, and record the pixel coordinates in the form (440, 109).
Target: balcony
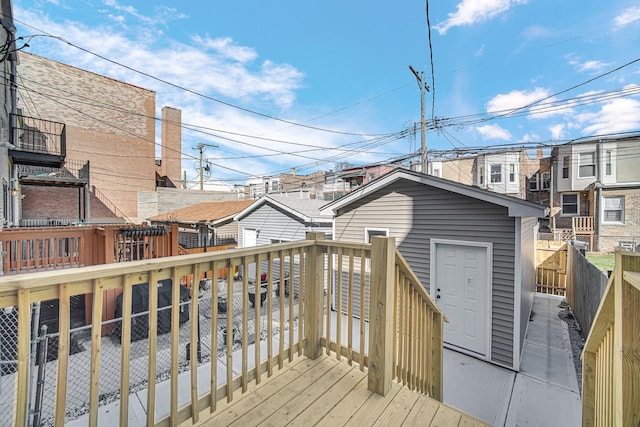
(72, 173)
(38, 142)
(248, 351)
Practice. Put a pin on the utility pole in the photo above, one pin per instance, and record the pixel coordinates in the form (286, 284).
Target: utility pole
(423, 124)
(200, 148)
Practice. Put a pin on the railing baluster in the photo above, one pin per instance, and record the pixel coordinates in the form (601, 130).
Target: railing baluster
(270, 314)
(350, 310)
(363, 305)
(22, 378)
(339, 305)
(329, 287)
(230, 275)
(257, 302)
(125, 349)
(292, 292)
(213, 385)
(302, 289)
(194, 342)
(281, 333)
(245, 321)
(96, 334)
(175, 343)
(153, 340)
(63, 354)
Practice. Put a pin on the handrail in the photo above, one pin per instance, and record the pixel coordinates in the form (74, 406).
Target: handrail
(295, 277)
(611, 355)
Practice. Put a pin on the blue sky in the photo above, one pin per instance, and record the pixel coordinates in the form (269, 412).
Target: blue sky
(330, 81)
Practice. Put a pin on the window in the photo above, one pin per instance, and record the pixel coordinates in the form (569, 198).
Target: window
(436, 172)
(275, 186)
(613, 209)
(496, 173)
(565, 166)
(546, 180)
(481, 175)
(627, 245)
(570, 204)
(373, 232)
(587, 166)
(512, 172)
(533, 182)
(608, 163)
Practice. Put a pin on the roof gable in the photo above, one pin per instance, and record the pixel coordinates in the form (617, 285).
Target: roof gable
(307, 210)
(516, 207)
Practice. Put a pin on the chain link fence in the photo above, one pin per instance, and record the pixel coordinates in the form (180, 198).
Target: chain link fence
(44, 374)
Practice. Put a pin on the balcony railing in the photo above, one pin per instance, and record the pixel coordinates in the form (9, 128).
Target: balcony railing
(359, 302)
(611, 355)
(40, 136)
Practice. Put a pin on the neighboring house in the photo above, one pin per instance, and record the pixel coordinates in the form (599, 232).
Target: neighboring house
(597, 184)
(499, 172)
(260, 186)
(8, 186)
(276, 219)
(205, 224)
(459, 170)
(359, 176)
(473, 250)
(94, 152)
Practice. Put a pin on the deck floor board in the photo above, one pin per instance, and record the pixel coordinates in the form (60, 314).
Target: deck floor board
(328, 392)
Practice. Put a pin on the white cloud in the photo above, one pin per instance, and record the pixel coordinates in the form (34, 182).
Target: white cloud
(226, 47)
(493, 131)
(515, 99)
(480, 51)
(619, 115)
(627, 17)
(557, 131)
(470, 12)
(587, 66)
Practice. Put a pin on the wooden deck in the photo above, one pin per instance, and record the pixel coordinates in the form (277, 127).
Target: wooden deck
(328, 392)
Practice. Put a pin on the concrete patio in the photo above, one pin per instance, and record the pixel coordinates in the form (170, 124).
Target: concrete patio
(544, 393)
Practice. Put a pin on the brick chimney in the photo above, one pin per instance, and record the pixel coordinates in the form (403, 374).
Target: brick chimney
(539, 154)
(171, 144)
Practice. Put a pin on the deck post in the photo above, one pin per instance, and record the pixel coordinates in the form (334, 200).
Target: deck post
(383, 251)
(313, 297)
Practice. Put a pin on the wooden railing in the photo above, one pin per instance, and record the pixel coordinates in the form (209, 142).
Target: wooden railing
(611, 356)
(583, 226)
(311, 293)
(28, 250)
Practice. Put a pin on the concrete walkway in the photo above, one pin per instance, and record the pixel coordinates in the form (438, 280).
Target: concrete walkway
(544, 393)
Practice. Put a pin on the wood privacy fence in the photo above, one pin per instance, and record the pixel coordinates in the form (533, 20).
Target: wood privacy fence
(551, 257)
(404, 326)
(611, 356)
(585, 286)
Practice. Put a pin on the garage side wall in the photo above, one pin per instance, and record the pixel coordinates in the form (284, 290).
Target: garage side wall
(414, 213)
(529, 232)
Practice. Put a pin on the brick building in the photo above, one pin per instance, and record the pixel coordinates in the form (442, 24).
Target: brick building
(110, 132)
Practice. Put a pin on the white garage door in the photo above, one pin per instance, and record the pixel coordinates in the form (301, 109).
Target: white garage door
(461, 288)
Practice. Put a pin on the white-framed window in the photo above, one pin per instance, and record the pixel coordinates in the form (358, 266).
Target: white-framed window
(496, 173)
(566, 160)
(570, 204)
(512, 172)
(369, 233)
(481, 175)
(587, 165)
(546, 181)
(608, 163)
(436, 172)
(533, 182)
(373, 232)
(613, 209)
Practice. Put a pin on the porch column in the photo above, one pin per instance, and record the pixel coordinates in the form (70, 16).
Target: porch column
(382, 280)
(313, 297)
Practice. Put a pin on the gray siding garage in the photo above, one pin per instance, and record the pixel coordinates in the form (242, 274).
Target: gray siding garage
(475, 246)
